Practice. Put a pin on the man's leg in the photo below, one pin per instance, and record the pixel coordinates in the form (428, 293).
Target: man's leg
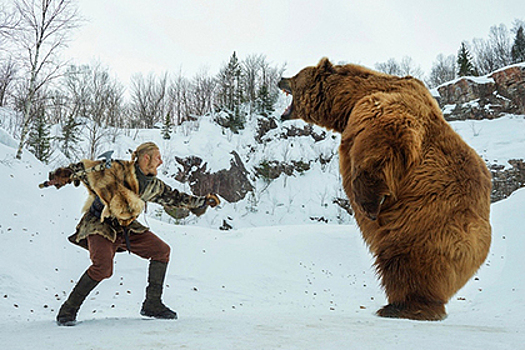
(148, 246)
(101, 252)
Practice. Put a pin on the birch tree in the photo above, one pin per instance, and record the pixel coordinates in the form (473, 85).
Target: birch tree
(8, 69)
(43, 29)
(8, 23)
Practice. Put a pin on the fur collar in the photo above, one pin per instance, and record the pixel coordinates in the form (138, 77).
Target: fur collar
(117, 188)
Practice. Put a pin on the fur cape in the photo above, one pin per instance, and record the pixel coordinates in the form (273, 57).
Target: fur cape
(118, 189)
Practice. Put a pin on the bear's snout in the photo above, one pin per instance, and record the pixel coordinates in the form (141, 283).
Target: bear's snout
(284, 85)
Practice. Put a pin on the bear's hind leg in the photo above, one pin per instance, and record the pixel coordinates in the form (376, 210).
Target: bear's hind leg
(420, 311)
(417, 284)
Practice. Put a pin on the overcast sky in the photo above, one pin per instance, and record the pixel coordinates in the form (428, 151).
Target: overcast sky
(131, 36)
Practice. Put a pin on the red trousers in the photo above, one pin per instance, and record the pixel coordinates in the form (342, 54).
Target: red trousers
(102, 251)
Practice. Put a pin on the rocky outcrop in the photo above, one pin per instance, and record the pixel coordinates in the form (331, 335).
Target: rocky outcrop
(271, 170)
(231, 184)
(492, 96)
(510, 83)
(488, 97)
(505, 181)
(265, 124)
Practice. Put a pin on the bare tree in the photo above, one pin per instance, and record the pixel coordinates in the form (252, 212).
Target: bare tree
(8, 72)
(179, 96)
(149, 100)
(259, 83)
(443, 70)
(8, 22)
(389, 67)
(407, 66)
(43, 29)
(499, 38)
(58, 107)
(484, 57)
(203, 87)
(8, 68)
(96, 99)
(493, 53)
(251, 67)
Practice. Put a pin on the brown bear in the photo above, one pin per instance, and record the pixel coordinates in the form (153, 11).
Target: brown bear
(420, 194)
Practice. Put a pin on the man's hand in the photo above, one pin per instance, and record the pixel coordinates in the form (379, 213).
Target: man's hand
(212, 200)
(60, 177)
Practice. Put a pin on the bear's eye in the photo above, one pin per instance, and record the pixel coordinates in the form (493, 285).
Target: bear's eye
(302, 80)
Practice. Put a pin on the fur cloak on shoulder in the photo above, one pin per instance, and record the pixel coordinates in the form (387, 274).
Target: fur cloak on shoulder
(118, 189)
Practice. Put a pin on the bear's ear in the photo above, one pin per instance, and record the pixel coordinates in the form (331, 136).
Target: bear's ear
(325, 65)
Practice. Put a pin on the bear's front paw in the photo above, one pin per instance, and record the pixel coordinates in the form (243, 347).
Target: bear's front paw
(372, 208)
(370, 193)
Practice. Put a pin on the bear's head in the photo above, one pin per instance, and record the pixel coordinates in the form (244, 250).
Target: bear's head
(307, 90)
(326, 94)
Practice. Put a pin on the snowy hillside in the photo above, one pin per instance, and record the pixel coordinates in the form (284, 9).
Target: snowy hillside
(279, 280)
(283, 201)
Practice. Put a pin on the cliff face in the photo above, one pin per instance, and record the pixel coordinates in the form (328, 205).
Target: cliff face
(488, 97)
(505, 181)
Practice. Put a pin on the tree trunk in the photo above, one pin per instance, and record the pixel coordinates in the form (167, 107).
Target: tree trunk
(27, 113)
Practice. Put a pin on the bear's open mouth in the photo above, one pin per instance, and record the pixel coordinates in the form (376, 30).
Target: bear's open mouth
(288, 111)
(286, 87)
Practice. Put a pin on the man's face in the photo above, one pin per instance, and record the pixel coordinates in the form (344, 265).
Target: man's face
(151, 162)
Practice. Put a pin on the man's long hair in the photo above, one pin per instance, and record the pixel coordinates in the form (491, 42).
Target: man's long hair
(145, 148)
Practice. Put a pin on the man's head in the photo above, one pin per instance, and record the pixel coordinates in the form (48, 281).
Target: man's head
(147, 156)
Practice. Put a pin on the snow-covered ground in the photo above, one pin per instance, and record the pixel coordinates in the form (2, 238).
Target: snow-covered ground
(277, 281)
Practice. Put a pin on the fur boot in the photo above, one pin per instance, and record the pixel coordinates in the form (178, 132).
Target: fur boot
(67, 315)
(153, 306)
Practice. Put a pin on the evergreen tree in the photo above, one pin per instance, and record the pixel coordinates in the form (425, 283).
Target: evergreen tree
(166, 127)
(230, 95)
(464, 62)
(265, 101)
(518, 48)
(39, 139)
(70, 137)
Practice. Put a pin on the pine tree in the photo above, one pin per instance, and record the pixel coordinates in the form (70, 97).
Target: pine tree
(265, 101)
(230, 95)
(518, 48)
(464, 62)
(166, 127)
(39, 139)
(70, 137)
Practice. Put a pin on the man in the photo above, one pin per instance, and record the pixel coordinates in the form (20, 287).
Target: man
(118, 191)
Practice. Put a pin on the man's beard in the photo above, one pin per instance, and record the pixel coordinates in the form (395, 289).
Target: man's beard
(151, 169)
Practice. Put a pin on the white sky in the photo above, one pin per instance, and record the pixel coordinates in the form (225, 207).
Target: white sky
(131, 36)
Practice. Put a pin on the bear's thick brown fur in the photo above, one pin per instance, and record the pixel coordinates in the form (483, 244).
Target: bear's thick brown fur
(421, 195)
